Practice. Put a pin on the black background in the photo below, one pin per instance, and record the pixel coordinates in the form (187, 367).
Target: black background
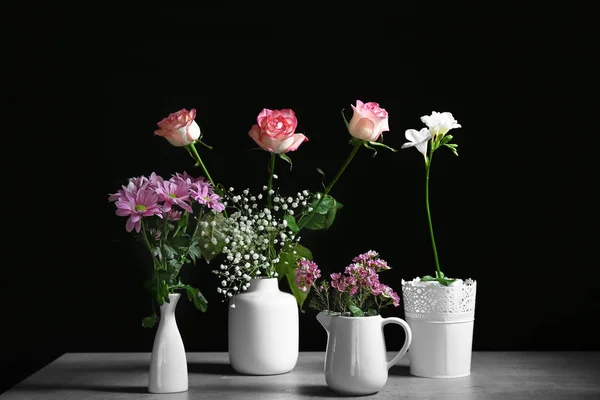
(513, 211)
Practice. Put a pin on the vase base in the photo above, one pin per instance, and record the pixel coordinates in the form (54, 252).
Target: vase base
(441, 376)
(158, 391)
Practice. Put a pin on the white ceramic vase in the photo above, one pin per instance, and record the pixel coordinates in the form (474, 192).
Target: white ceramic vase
(263, 329)
(355, 359)
(441, 319)
(168, 364)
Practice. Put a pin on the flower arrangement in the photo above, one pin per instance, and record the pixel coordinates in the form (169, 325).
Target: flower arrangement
(159, 210)
(357, 292)
(177, 219)
(263, 230)
(184, 218)
(434, 134)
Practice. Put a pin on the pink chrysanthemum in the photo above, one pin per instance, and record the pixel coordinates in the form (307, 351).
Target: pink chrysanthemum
(307, 272)
(191, 180)
(133, 185)
(143, 203)
(203, 194)
(174, 192)
(174, 215)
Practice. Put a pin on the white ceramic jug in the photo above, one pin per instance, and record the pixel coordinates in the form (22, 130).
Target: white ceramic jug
(355, 360)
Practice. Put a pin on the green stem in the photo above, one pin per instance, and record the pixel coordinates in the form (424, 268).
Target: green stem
(197, 157)
(435, 254)
(357, 145)
(270, 185)
(271, 252)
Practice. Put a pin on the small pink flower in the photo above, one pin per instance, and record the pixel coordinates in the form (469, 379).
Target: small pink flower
(179, 128)
(203, 194)
(174, 215)
(275, 131)
(307, 272)
(141, 204)
(368, 122)
(174, 192)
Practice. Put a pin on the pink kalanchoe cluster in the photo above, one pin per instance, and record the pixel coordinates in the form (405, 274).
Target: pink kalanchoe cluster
(362, 275)
(153, 196)
(307, 272)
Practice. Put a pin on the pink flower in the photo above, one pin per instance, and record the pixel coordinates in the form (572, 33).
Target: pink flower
(174, 215)
(174, 192)
(203, 194)
(307, 272)
(277, 124)
(132, 187)
(142, 203)
(368, 122)
(179, 128)
(190, 180)
(275, 131)
(390, 294)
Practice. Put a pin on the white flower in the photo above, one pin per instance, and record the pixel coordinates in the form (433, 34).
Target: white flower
(440, 123)
(418, 139)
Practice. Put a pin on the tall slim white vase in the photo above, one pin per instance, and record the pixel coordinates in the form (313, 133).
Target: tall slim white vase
(168, 364)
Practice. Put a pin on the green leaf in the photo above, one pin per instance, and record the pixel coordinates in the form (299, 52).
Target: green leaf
(330, 216)
(287, 262)
(298, 294)
(287, 267)
(324, 214)
(149, 322)
(344, 117)
(286, 159)
(371, 313)
(291, 223)
(379, 144)
(428, 278)
(182, 224)
(320, 171)
(212, 242)
(439, 275)
(194, 252)
(168, 251)
(198, 299)
(357, 312)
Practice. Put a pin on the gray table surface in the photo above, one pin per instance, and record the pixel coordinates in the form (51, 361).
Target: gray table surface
(494, 375)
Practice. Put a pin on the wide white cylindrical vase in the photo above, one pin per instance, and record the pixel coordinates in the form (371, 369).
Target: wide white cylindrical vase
(441, 319)
(263, 329)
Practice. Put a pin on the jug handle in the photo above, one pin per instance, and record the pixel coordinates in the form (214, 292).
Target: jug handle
(407, 341)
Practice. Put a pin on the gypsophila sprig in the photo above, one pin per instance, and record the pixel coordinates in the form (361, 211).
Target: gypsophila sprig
(256, 236)
(434, 134)
(356, 292)
(178, 220)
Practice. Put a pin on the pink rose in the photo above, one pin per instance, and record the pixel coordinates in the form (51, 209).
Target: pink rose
(368, 122)
(179, 128)
(275, 131)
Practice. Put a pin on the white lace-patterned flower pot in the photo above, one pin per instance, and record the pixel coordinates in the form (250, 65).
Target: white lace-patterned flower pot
(441, 319)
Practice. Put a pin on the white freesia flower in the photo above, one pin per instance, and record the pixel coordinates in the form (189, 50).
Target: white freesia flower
(417, 139)
(440, 123)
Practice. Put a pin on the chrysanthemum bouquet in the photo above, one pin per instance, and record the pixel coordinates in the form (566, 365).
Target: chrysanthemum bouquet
(159, 211)
(177, 219)
(263, 230)
(357, 292)
(434, 134)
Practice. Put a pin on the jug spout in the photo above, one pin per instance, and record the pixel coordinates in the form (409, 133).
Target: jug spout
(324, 319)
